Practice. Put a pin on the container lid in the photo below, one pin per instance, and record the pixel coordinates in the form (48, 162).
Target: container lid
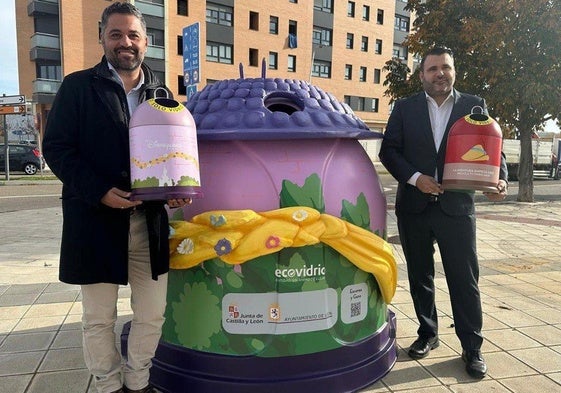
(267, 108)
(161, 111)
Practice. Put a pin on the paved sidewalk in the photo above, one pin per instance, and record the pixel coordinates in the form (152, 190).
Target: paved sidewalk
(519, 249)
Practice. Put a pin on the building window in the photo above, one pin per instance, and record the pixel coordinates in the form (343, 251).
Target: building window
(399, 52)
(293, 1)
(321, 36)
(180, 45)
(375, 104)
(350, 40)
(380, 17)
(181, 88)
(362, 74)
(348, 72)
(253, 57)
(351, 9)
(182, 8)
(321, 69)
(377, 75)
(292, 34)
(219, 14)
(291, 63)
(366, 12)
(293, 27)
(401, 23)
(155, 37)
(323, 5)
(219, 53)
(253, 20)
(49, 71)
(274, 25)
(360, 104)
(273, 60)
(364, 44)
(378, 49)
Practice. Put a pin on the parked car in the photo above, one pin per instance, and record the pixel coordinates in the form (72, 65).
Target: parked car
(23, 157)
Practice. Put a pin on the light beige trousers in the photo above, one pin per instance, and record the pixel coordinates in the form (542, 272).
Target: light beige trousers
(148, 302)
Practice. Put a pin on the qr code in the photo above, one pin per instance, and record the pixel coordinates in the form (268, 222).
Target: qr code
(355, 309)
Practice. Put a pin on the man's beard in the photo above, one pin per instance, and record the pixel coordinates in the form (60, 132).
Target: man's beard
(124, 64)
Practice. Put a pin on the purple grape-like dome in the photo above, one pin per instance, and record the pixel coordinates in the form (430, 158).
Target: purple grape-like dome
(267, 108)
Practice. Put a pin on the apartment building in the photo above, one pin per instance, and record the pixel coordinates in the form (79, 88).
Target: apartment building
(340, 46)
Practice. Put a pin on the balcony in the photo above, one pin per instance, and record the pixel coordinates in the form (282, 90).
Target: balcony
(42, 7)
(156, 52)
(44, 90)
(150, 8)
(44, 40)
(45, 86)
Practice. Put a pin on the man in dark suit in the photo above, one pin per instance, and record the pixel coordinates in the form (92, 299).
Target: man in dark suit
(413, 150)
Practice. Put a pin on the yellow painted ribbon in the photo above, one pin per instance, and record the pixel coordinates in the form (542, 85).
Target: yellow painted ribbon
(237, 236)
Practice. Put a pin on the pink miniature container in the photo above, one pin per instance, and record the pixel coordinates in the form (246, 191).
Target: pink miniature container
(164, 158)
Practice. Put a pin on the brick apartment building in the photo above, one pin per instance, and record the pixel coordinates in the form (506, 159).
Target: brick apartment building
(340, 46)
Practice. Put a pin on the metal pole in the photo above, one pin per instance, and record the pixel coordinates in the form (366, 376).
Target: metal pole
(6, 149)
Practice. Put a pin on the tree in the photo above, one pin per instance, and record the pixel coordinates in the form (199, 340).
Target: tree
(507, 51)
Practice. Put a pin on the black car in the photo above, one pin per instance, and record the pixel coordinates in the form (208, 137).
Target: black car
(23, 157)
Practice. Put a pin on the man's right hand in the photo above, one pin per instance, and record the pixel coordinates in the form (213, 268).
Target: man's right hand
(428, 185)
(119, 199)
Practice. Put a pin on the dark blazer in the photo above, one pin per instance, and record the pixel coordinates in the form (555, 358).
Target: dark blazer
(408, 147)
(86, 145)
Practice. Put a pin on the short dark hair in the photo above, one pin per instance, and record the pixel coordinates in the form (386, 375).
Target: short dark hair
(436, 51)
(120, 8)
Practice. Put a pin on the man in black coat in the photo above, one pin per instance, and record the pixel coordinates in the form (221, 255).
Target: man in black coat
(413, 150)
(108, 239)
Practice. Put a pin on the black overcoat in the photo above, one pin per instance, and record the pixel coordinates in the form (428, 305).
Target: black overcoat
(86, 145)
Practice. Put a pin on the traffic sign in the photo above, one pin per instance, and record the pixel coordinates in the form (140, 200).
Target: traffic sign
(12, 100)
(191, 49)
(12, 109)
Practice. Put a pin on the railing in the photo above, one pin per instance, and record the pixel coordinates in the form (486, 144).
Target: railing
(45, 86)
(156, 52)
(44, 40)
(148, 8)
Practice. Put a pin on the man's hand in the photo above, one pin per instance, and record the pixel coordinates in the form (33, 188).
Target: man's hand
(175, 203)
(119, 199)
(428, 185)
(501, 195)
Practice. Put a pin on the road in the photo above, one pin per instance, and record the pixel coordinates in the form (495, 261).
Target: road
(41, 194)
(20, 195)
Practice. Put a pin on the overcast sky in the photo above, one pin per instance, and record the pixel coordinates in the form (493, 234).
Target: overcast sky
(8, 59)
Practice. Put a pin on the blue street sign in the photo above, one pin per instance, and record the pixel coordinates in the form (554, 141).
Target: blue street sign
(191, 54)
(191, 90)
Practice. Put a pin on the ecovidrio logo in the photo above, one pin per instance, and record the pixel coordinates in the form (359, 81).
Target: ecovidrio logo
(311, 272)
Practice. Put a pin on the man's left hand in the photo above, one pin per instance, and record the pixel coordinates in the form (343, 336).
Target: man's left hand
(501, 195)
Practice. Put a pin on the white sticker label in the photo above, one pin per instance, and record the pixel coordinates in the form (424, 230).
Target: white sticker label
(279, 313)
(354, 303)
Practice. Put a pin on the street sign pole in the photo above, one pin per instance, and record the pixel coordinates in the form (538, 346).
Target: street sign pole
(10, 105)
(6, 150)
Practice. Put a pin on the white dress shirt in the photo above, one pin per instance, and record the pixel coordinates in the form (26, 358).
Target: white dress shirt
(439, 116)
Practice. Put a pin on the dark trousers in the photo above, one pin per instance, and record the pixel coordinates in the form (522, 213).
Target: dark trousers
(455, 236)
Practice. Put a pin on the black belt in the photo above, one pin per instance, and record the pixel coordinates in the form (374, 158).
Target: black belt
(434, 198)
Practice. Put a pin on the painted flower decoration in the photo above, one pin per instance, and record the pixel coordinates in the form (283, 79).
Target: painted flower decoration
(223, 247)
(217, 221)
(186, 247)
(272, 242)
(299, 215)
